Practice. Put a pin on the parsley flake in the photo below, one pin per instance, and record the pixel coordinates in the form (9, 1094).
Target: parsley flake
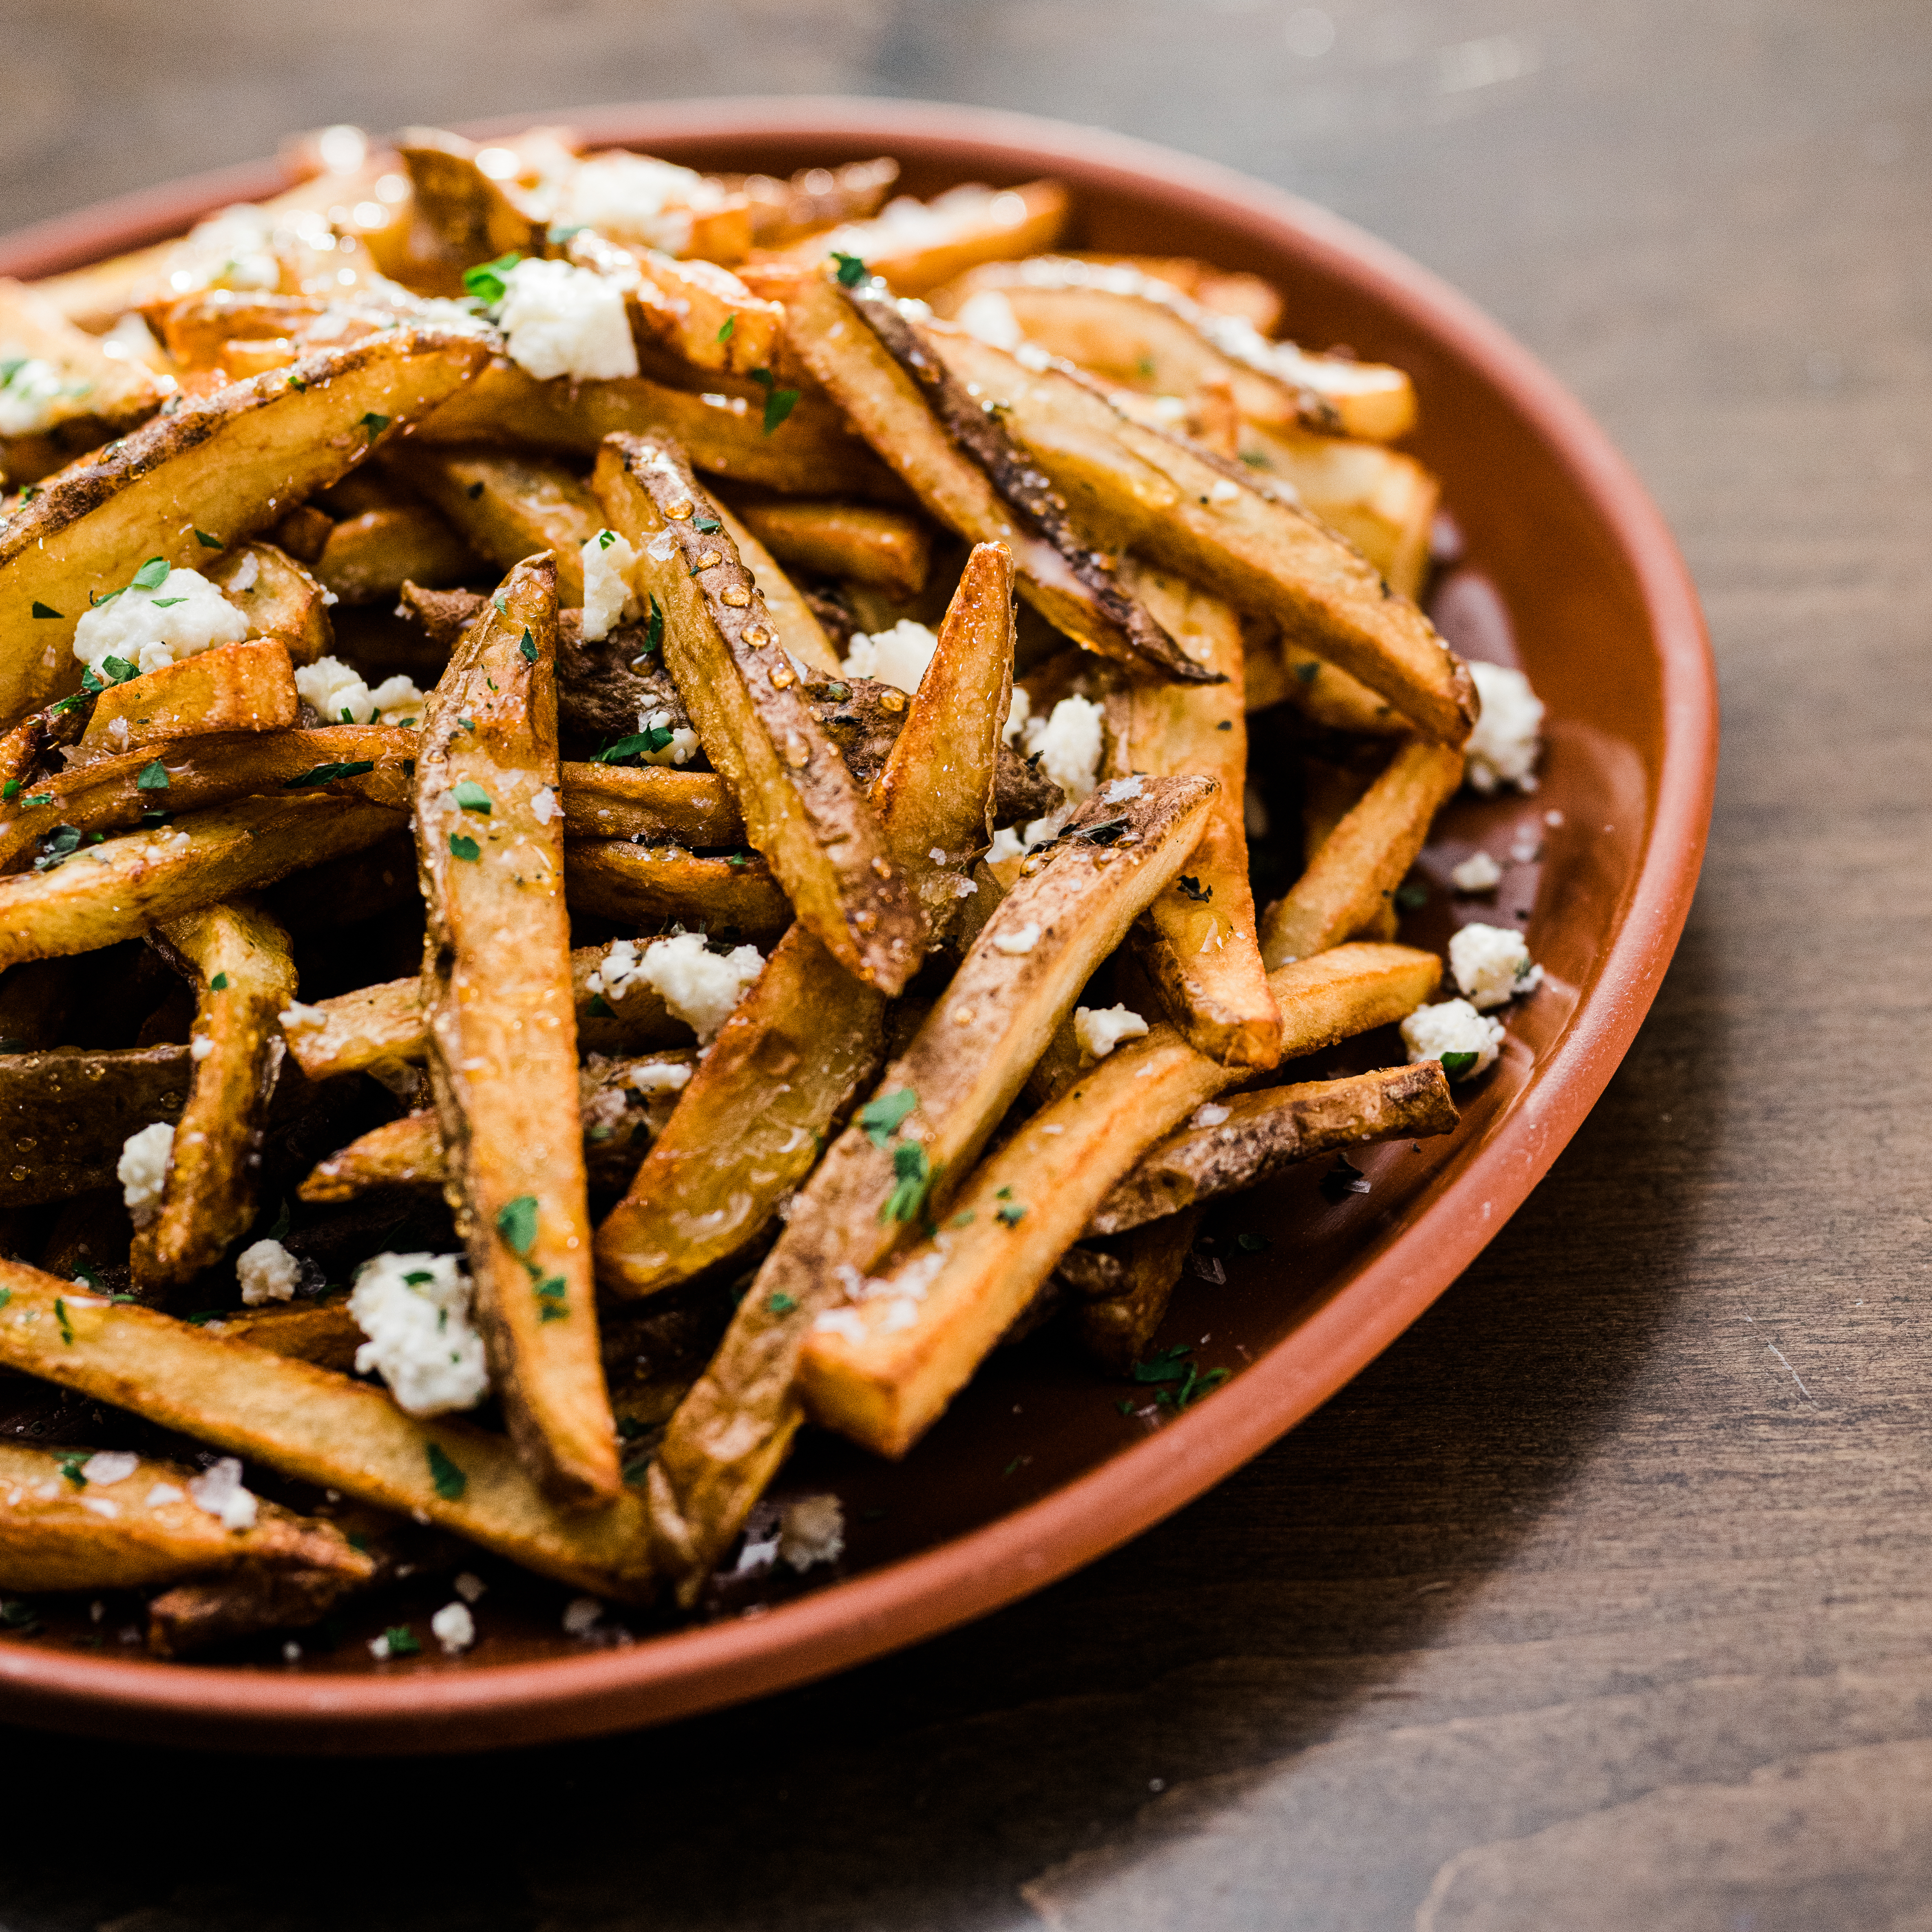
(70, 1467)
(1460, 1066)
(527, 650)
(296, 383)
(206, 542)
(1411, 898)
(1308, 673)
(851, 269)
(1012, 1214)
(474, 490)
(45, 611)
(450, 1481)
(401, 1641)
(485, 281)
(151, 575)
(782, 1303)
(912, 1178)
(726, 329)
(517, 1223)
(375, 425)
(323, 774)
(219, 983)
(60, 1316)
(10, 790)
(463, 847)
(654, 626)
(1253, 1244)
(779, 403)
(472, 796)
(154, 777)
(881, 1118)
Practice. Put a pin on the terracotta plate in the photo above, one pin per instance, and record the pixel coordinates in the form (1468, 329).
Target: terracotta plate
(1567, 568)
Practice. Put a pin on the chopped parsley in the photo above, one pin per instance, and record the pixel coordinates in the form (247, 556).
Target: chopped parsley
(517, 1223)
(851, 269)
(401, 1641)
(472, 796)
(782, 1303)
(1460, 1066)
(600, 1008)
(296, 383)
(206, 542)
(450, 1481)
(219, 982)
(485, 281)
(1011, 1214)
(60, 1316)
(638, 743)
(323, 774)
(1307, 673)
(881, 1118)
(912, 1177)
(605, 538)
(654, 626)
(59, 843)
(726, 329)
(1195, 890)
(474, 490)
(375, 425)
(1179, 1383)
(39, 798)
(1253, 1244)
(706, 526)
(151, 575)
(154, 777)
(70, 1467)
(527, 650)
(10, 790)
(44, 609)
(778, 403)
(464, 848)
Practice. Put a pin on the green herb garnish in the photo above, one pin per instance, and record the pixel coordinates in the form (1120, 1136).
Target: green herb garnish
(517, 1223)
(45, 611)
(851, 269)
(450, 1481)
(1460, 1066)
(485, 281)
(726, 329)
(154, 777)
(782, 1303)
(206, 542)
(527, 650)
(463, 847)
(323, 774)
(880, 1118)
(472, 796)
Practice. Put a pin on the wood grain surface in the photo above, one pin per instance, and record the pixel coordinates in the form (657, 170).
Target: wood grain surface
(1604, 1600)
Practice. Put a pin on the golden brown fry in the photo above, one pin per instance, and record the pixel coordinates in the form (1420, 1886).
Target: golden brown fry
(1354, 876)
(319, 1427)
(72, 1111)
(794, 622)
(883, 1369)
(802, 810)
(955, 231)
(502, 1061)
(936, 1105)
(1327, 696)
(84, 394)
(657, 804)
(646, 885)
(106, 893)
(1260, 1133)
(247, 978)
(370, 557)
(246, 687)
(813, 199)
(507, 507)
(1198, 939)
(886, 548)
(61, 1528)
(239, 456)
(1226, 293)
(1115, 1328)
(322, 1332)
(810, 453)
(212, 1611)
(700, 312)
(277, 596)
(460, 216)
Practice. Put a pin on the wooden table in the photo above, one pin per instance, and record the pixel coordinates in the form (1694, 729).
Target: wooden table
(1602, 1600)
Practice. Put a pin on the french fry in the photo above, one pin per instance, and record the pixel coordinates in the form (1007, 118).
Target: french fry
(208, 1612)
(1354, 875)
(873, 545)
(795, 626)
(1215, 522)
(802, 810)
(461, 216)
(236, 455)
(916, 246)
(1115, 1328)
(810, 453)
(1237, 293)
(645, 886)
(247, 978)
(1197, 941)
(317, 1426)
(699, 311)
(883, 1368)
(75, 1111)
(1264, 1132)
(106, 893)
(246, 687)
(1327, 696)
(324, 1332)
(370, 556)
(787, 1062)
(813, 199)
(652, 805)
(503, 1060)
(277, 596)
(935, 1105)
(508, 507)
(63, 1529)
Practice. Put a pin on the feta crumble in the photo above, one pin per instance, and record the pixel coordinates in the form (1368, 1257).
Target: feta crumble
(1452, 1026)
(453, 1627)
(200, 1047)
(1023, 941)
(660, 1076)
(183, 616)
(1478, 873)
(636, 198)
(1069, 742)
(1504, 747)
(339, 694)
(562, 320)
(898, 656)
(267, 1272)
(109, 1466)
(544, 805)
(32, 387)
(607, 595)
(1118, 791)
(1100, 1029)
(812, 1530)
(218, 1492)
(142, 1170)
(989, 315)
(416, 1311)
(1491, 965)
(1005, 847)
(700, 986)
(162, 1494)
(681, 747)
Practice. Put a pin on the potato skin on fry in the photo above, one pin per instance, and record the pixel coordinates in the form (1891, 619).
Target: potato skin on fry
(644, 886)
(873, 545)
(246, 687)
(79, 1108)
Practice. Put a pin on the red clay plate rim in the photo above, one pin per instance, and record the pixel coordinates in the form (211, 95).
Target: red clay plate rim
(671, 1676)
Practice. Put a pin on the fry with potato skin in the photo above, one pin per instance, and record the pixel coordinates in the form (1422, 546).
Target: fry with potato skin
(702, 313)
(1115, 1328)
(793, 619)
(277, 596)
(884, 1369)
(246, 687)
(653, 804)
(801, 808)
(79, 1108)
(643, 886)
(320, 1427)
(496, 995)
(864, 542)
(1352, 879)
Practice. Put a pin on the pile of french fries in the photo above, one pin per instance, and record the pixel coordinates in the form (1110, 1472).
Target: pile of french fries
(471, 837)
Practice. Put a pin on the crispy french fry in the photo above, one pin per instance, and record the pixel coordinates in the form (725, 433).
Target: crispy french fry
(497, 993)
(235, 456)
(1198, 939)
(1354, 876)
(1227, 293)
(208, 1612)
(461, 215)
(802, 810)
(1326, 695)
(320, 1427)
(788, 1061)
(886, 548)
(935, 1106)
(106, 893)
(699, 311)
(1218, 524)
(654, 804)
(645, 886)
(277, 596)
(370, 557)
(883, 1368)
(797, 626)
(1260, 1133)
(74, 1111)
(322, 1332)
(507, 507)
(916, 246)
(813, 199)
(62, 1529)
(86, 394)
(810, 453)
(246, 687)
(1115, 1328)
(247, 976)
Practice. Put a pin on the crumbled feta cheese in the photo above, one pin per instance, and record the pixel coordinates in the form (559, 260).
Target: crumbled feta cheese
(109, 1466)
(988, 315)
(700, 986)
(468, 1586)
(200, 1047)
(238, 247)
(682, 745)
(162, 1494)
(1452, 1026)
(1069, 742)
(812, 1530)
(898, 656)
(1209, 1116)
(415, 1310)
(1100, 1029)
(453, 1627)
(267, 1272)
(339, 694)
(559, 320)
(1503, 748)
(1018, 712)
(1478, 873)
(581, 1615)
(543, 806)
(292, 1652)
(1225, 491)
(1491, 965)
(660, 1076)
(219, 1492)
(607, 595)
(379, 1648)
(142, 1170)
(28, 390)
(1118, 791)
(846, 1321)
(1006, 846)
(1022, 941)
(182, 617)
(634, 198)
